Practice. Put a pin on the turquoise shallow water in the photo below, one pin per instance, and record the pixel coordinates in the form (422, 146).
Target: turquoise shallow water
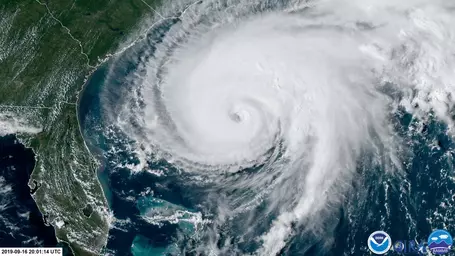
(160, 207)
(407, 206)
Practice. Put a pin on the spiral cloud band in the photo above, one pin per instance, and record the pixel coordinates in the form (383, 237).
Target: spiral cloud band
(297, 92)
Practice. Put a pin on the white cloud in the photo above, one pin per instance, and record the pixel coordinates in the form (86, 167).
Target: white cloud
(11, 124)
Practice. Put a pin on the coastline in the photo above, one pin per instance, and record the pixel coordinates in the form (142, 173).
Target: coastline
(26, 204)
(51, 82)
(97, 157)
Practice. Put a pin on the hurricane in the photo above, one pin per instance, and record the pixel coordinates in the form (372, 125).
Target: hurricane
(271, 114)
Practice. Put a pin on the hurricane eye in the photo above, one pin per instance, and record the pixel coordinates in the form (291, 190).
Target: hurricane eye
(266, 127)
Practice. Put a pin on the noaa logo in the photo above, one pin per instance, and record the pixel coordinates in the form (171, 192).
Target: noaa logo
(440, 242)
(379, 242)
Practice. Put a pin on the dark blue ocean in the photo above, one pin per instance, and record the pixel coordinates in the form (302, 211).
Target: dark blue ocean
(21, 223)
(122, 188)
(407, 205)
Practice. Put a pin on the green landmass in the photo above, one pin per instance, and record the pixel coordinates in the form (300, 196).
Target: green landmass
(47, 50)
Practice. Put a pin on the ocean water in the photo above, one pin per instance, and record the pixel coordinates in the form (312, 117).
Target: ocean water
(21, 223)
(130, 234)
(162, 209)
(407, 206)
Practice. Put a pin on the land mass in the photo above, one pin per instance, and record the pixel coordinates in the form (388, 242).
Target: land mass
(47, 50)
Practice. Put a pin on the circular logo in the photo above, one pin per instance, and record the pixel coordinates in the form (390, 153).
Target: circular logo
(379, 242)
(440, 242)
(399, 246)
